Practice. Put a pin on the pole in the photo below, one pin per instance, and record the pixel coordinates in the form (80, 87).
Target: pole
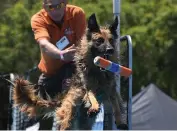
(116, 12)
(130, 83)
(14, 109)
(129, 100)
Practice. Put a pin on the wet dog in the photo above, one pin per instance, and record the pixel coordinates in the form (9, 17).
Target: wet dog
(90, 81)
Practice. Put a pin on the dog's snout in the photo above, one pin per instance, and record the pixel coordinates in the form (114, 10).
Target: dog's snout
(109, 50)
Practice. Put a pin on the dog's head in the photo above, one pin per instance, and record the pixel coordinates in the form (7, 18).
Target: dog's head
(102, 40)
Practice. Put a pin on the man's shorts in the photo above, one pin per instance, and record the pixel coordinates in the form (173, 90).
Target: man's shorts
(52, 85)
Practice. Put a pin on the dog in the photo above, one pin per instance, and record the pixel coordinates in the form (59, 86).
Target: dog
(89, 79)
(85, 85)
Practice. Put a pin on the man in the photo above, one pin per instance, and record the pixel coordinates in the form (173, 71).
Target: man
(56, 20)
(55, 26)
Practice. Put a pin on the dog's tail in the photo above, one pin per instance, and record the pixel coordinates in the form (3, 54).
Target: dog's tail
(26, 98)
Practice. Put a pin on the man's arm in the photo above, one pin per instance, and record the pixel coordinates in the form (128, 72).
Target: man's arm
(43, 38)
(49, 48)
(54, 52)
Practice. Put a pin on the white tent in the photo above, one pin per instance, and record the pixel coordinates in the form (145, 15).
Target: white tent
(153, 110)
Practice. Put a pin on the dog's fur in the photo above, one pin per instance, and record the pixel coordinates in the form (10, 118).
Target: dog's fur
(89, 79)
(85, 85)
(27, 98)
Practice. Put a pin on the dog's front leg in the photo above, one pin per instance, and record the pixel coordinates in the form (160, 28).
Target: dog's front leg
(94, 103)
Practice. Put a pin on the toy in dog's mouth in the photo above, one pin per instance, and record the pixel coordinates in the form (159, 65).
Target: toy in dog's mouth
(105, 56)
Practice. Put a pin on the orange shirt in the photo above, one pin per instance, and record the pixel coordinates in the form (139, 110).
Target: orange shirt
(73, 28)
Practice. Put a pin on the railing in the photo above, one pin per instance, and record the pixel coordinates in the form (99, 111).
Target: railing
(128, 40)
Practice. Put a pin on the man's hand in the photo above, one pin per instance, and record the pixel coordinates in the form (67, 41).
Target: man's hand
(68, 54)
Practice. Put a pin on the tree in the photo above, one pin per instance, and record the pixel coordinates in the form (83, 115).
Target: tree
(154, 39)
(18, 50)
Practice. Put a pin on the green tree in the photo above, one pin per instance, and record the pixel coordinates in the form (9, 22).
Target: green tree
(18, 51)
(154, 40)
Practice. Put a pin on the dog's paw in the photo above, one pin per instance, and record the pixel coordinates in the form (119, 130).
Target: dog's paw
(94, 108)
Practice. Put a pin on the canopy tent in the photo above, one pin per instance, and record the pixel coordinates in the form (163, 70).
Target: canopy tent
(153, 110)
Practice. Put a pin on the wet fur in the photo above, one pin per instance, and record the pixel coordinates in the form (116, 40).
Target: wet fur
(89, 79)
(26, 97)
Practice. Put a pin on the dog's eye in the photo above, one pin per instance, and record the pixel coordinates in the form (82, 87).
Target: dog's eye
(100, 40)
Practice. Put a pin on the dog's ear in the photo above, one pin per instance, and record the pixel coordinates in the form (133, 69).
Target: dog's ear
(92, 24)
(113, 26)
